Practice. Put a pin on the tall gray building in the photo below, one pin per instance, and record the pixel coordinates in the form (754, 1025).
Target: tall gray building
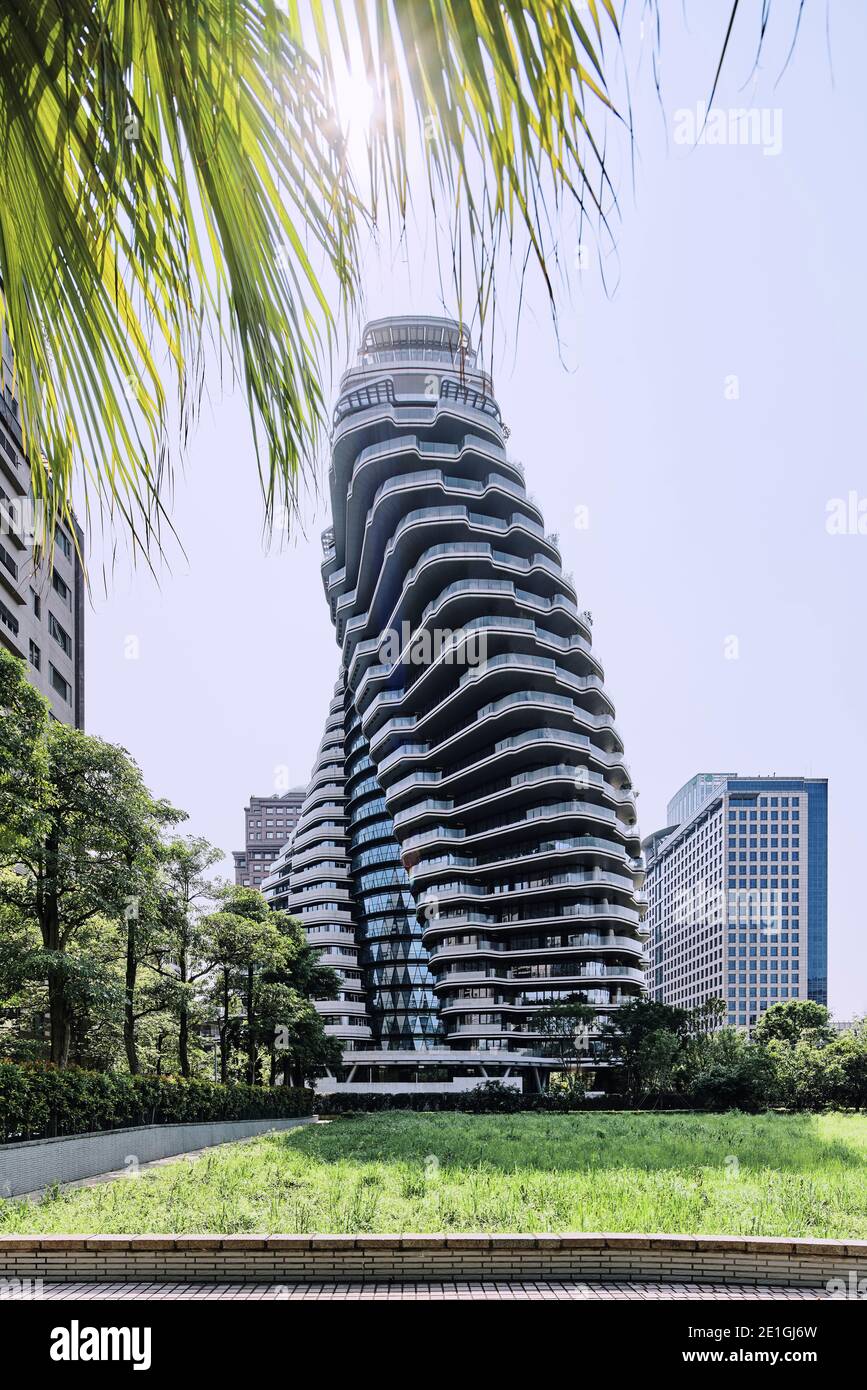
(41, 601)
(311, 879)
(269, 822)
(737, 887)
(481, 853)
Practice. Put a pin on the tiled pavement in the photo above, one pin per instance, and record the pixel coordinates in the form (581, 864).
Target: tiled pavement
(398, 1293)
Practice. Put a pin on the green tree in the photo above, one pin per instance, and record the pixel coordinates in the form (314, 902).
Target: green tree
(23, 756)
(286, 1022)
(794, 1021)
(849, 1053)
(94, 987)
(706, 1018)
(702, 1024)
(734, 1074)
(149, 919)
(264, 978)
(292, 1033)
(79, 841)
(807, 1074)
(564, 1027)
(241, 939)
(639, 1037)
(657, 1061)
(134, 931)
(22, 1001)
(176, 946)
(19, 948)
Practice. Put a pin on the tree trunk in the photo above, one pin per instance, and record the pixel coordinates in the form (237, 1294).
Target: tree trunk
(224, 1032)
(184, 1039)
(251, 1039)
(129, 1000)
(48, 910)
(184, 1015)
(61, 1019)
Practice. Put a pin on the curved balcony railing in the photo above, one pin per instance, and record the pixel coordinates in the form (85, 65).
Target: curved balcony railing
(510, 821)
(444, 793)
(486, 794)
(463, 888)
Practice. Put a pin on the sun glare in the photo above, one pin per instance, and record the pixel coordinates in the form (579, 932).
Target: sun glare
(355, 105)
(354, 101)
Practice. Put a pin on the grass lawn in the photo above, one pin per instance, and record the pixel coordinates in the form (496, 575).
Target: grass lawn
(795, 1175)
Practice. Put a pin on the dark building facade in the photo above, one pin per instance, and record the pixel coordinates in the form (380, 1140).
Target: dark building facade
(487, 816)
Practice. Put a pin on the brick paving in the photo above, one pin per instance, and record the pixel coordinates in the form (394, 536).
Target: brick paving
(545, 1291)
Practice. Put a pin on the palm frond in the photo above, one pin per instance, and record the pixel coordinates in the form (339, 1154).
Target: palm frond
(174, 171)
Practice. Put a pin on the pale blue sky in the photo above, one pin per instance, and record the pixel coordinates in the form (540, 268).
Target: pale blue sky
(707, 514)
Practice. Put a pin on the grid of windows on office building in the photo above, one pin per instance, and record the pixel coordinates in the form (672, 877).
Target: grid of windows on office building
(269, 823)
(764, 940)
(728, 900)
(688, 895)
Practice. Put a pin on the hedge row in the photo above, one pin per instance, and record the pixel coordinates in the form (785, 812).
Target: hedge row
(490, 1098)
(485, 1099)
(39, 1101)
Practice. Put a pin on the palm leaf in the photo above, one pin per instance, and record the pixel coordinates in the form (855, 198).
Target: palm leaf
(174, 171)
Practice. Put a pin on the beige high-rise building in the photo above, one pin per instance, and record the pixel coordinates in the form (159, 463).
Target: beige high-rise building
(268, 823)
(41, 602)
(737, 887)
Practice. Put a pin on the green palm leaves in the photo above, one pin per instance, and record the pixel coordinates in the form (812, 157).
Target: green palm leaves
(174, 171)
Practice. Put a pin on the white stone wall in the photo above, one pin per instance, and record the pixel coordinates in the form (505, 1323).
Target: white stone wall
(37, 1163)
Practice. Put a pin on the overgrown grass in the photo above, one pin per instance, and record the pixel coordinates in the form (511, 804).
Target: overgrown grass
(735, 1174)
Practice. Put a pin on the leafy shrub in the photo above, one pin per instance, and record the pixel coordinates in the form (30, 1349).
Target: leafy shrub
(733, 1074)
(489, 1097)
(738, 1086)
(39, 1101)
(814, 1077)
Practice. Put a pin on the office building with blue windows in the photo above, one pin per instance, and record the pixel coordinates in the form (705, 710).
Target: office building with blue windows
(737, 888)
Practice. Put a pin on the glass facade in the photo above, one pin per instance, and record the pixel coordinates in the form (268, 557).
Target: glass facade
(401, 1002)
(468, 849)
(738, 896)
(483, 801)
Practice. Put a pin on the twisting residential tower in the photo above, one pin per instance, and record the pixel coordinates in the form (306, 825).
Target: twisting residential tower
(490, 824)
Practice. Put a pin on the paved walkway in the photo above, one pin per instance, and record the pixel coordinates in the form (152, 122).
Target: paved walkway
(398, 1293)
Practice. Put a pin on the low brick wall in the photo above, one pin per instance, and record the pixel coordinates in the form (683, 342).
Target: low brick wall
(37, 1163)
(285, 1259)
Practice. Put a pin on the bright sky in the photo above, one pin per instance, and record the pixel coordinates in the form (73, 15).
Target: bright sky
(710, 410)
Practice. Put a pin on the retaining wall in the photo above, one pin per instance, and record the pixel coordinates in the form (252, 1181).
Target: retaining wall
(432, 1258)
(36, 1163)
